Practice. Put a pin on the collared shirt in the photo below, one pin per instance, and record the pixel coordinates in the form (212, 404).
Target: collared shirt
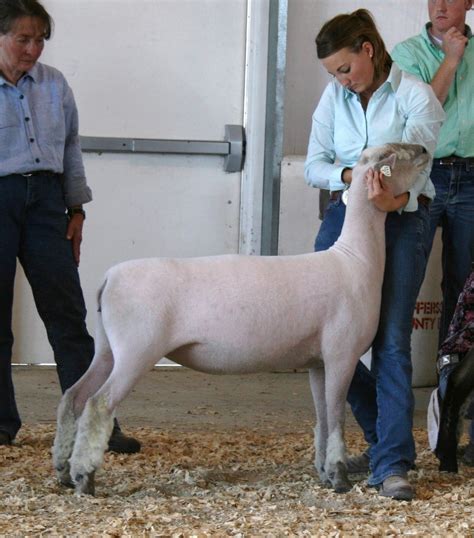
(402, 109)
(420, 56)
(39, 130)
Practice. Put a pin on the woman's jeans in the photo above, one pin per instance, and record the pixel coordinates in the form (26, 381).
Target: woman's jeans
(453, 210)
(382, 399)
(33, 227)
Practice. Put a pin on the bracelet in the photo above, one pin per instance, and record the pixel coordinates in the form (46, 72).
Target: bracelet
(76, 211)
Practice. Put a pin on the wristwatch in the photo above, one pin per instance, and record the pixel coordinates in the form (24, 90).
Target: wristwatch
(76, 211)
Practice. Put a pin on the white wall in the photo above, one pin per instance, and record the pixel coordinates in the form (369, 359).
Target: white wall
(148, 69)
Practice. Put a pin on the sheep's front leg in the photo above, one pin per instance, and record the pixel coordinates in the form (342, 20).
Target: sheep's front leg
(93, 432)
(339, 371)
(316, 379)
(64, 439)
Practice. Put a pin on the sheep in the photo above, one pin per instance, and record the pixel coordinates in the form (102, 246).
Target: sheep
(236, 314)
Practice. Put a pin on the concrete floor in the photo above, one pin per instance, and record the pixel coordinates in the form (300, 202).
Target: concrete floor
(181, 399)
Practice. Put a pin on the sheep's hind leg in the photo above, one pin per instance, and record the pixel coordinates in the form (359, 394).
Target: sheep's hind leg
(72, 405)
(93, 432)
(64, 440)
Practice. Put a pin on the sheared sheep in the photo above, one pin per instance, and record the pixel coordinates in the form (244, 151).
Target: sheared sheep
(241, 314)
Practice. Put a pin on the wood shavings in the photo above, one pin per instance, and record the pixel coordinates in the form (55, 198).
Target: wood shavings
(240, 483)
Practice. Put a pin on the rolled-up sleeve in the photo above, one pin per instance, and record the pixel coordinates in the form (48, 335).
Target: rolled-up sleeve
(76, 190)
(425, 116)
(320, 168)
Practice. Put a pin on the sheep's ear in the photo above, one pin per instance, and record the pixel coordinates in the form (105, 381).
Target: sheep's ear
(386, 165)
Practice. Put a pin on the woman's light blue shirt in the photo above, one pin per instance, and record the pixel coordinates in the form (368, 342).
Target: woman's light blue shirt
(403, 109)
(39, 130)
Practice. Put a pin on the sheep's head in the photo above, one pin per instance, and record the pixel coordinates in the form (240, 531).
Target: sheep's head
(400, 163)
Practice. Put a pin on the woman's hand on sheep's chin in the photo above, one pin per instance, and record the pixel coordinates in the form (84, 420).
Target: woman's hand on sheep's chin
(381, 194)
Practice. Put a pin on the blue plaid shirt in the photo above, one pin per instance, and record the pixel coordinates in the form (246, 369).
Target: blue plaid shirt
(39, 130)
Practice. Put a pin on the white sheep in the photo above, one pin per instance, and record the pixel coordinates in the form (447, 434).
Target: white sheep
(240, 314)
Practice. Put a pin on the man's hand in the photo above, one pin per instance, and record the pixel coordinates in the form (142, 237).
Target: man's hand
(381, 194)
(454, 45)
(74, 234)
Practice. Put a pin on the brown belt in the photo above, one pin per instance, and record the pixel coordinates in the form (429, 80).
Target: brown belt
(422, 199)
(454, 160)
(335, 195)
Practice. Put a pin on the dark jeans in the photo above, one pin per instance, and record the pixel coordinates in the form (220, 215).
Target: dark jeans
(453, 210)
(382, 398)
(33, 229)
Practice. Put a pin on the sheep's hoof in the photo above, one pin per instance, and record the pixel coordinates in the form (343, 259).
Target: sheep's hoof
(339, 480)
(65, 480)
(64, 476)
(323, 477)
(85, 484)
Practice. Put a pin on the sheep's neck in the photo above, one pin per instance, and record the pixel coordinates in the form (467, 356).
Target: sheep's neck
(363, 232)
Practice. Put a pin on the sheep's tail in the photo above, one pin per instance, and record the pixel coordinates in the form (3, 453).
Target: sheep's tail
(99, 295)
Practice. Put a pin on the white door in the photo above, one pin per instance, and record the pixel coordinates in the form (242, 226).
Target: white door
(155, 69)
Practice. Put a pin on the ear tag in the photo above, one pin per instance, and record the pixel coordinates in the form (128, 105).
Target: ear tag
(386, 170)
(345, 196)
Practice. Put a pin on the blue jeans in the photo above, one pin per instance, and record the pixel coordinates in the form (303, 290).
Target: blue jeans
(453, 210)
(33, 229)
(382, 398)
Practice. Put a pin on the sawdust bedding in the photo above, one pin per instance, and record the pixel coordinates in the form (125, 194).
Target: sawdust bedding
(221, 483)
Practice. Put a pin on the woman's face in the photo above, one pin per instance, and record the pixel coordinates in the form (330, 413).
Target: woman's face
(354, 70)
(21, 47)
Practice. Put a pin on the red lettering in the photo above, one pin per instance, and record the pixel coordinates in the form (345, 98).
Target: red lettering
(426, 323)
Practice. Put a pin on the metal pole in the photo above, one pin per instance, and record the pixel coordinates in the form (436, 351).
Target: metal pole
(274, 125)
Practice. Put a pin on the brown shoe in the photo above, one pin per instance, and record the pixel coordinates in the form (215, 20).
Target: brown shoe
(397, 487)
(5, 438)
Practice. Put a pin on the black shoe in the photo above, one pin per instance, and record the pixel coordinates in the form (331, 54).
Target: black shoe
(468, 457)
(5, 438)
(359, 464)
(122, 444)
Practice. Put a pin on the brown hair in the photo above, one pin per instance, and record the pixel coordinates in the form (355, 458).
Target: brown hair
(351, 30)
(12, 10)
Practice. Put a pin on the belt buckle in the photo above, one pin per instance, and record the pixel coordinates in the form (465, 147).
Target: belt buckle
(444, 360)
(446, 162)
(27, 175)
(345, 195)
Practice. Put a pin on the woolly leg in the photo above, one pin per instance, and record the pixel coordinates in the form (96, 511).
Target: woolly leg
(336, 461)
(337, 385)
(73, 402)
(64, 440)
(93, 432)
(316, 378)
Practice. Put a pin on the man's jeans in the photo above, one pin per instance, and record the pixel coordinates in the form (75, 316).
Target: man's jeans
(382, 398)
(453, 210)
(33, 227)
